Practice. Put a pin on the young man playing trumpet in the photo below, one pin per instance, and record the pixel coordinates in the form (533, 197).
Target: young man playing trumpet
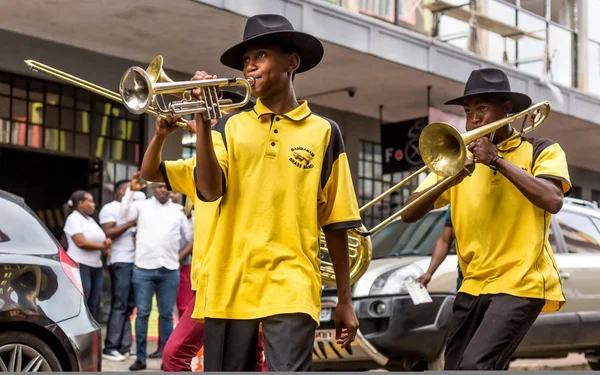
(500, 214)
(188, 336)
(263, 266)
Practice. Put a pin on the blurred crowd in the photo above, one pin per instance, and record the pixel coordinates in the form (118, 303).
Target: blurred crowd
(146, 244)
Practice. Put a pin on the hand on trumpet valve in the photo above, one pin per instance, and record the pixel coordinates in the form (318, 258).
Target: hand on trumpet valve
(483, 150)
(201, 76)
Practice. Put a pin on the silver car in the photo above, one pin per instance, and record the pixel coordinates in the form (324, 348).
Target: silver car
(396, 334)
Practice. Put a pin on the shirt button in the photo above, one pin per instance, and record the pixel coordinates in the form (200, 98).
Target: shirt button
(276, 131)
(272, 143)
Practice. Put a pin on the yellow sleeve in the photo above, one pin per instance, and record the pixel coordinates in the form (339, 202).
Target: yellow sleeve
(551, 163)
(179, 175)
(337, 203)
(220, 146)
(431, 180)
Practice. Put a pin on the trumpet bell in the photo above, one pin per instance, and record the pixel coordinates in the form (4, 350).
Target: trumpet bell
(442, 148)
(360, 251)
(136, 88)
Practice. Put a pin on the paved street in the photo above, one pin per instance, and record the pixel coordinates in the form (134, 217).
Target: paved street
(574, 362)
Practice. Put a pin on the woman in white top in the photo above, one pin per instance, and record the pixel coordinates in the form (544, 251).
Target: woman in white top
(87, 242)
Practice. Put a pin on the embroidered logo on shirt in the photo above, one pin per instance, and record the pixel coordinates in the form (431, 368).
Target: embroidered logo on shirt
(302, 157)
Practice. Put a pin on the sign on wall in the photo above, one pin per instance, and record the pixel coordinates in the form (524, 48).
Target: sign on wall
(400, 145)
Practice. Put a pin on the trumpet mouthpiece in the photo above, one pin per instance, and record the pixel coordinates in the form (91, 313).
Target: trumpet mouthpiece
(251, 81)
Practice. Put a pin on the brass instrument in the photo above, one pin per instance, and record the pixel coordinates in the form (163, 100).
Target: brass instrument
(444, 152)
(140, 89)
(156, 76)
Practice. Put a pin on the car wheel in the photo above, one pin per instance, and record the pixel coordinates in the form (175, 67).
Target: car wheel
(24, 352)
(594, 365)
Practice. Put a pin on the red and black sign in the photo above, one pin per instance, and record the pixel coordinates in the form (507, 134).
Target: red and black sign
(400, 145)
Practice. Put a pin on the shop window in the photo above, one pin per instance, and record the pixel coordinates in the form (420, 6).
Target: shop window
(372, 183)
(62, 118)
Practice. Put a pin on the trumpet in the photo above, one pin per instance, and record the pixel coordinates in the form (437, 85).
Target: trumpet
(142, 89)
(131, 96)
(444, 152)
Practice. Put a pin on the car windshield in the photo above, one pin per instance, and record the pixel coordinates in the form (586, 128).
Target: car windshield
(413, 239)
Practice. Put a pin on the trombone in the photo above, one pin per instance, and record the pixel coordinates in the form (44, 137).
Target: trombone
(138, 90)
(444, 152)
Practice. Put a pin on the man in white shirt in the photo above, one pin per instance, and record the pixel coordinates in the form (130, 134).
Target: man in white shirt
(161, 225)
(117, 344)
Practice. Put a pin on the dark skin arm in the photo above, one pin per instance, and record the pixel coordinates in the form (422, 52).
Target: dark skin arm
(187, 250)
(113, 231)
(208, 171)
(345, 319)
(84, 244)
(440, 252)
(545, 193)
(425, 205)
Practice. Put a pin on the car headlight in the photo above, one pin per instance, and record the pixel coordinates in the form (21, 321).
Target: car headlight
(394, 281)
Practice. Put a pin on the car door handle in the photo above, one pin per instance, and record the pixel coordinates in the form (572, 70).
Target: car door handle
(565, 275)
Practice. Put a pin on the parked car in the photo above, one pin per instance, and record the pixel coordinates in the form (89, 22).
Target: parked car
(44, 323)
(396, 334)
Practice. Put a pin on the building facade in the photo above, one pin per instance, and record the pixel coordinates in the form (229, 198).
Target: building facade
(385, 61)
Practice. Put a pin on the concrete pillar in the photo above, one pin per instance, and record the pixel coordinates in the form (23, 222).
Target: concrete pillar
(582, 44)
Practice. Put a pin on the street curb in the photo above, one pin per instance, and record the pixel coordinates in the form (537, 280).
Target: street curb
(574, 367)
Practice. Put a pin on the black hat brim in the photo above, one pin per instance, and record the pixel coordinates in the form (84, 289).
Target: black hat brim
(519, 101)
(309, 48)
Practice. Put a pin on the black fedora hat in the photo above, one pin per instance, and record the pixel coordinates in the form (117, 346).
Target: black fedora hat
(266, 28)
(494, 82)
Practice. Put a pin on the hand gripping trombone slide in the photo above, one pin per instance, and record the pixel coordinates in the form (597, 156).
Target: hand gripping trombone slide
(138, 91)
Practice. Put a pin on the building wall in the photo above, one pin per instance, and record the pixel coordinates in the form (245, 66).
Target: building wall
(587, 180)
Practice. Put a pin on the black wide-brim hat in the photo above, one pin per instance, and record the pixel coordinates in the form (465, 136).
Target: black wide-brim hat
(493, 82)
(269, 28)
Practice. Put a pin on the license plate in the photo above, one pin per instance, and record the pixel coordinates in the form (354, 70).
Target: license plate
(326, 315)
(324, 335)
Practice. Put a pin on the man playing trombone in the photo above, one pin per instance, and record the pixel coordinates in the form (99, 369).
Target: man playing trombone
(502, 204)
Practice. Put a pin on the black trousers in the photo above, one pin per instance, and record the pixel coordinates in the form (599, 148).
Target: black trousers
(486, 330)
(230, 345)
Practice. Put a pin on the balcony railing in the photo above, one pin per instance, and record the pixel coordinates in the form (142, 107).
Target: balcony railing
(528, 37)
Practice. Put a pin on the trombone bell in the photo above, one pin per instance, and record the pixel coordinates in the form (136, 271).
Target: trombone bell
(442, 149)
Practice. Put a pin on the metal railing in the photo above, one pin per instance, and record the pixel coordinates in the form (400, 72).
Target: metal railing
(526, 54)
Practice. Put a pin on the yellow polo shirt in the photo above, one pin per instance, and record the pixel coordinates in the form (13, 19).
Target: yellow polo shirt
(502, 238)
(285, 178)
(179, 177)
